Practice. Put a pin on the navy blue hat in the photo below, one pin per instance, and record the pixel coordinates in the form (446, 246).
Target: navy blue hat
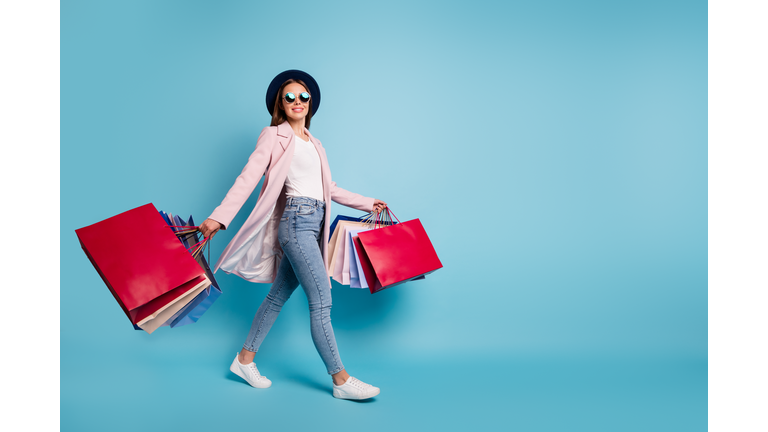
(312, 88)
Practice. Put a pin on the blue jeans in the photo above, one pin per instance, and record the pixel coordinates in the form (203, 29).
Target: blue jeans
(300, 234)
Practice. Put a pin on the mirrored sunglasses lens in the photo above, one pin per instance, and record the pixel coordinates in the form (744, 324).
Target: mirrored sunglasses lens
(290, 97)
(304, 97)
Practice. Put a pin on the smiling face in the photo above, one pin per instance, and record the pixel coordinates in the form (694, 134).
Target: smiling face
(297, 109)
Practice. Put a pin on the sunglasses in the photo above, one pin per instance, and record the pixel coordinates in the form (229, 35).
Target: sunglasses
(291, 98)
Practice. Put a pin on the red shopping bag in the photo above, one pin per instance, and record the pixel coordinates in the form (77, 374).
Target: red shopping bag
(142, 262)
(395, 254)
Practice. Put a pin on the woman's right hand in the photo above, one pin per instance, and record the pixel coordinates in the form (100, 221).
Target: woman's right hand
(209, 228)
(378, 206)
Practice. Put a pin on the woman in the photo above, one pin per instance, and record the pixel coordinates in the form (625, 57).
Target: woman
(284, 241)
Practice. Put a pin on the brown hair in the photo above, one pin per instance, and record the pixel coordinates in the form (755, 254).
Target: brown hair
(278, 115)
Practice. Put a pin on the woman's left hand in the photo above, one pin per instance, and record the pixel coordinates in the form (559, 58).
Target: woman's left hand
(378, 206)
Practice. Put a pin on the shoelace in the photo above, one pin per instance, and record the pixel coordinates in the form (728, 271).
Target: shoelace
(252, 366)
(357, 383)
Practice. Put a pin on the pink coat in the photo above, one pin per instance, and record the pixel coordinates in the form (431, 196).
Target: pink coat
(254, 253)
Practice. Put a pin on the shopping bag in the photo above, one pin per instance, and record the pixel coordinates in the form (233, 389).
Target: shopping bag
(335, 245)
(340, 258)
(189, 239)
(173, 308)
(395, 254)
(342, 269)
(167, 218)
(364, 220)
(194, 315)
(339, 267)
(337, 262)
(185, 303)
(192, 311)
(374, 285)
(356, 275)
(368, 273)
(197, 307)
(178, 311)
(148, 272)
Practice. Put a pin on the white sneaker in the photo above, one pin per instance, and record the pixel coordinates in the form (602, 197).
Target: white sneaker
(355, 389)
(249, 373)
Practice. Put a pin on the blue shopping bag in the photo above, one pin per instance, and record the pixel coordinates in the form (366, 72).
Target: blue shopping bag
(192, 311)
(356, 275)
(197, 307)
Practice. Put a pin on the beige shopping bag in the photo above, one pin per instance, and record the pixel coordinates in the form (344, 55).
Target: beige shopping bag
(154, 321)
(336, 242)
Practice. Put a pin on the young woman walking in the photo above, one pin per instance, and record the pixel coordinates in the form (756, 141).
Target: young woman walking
(284, 241)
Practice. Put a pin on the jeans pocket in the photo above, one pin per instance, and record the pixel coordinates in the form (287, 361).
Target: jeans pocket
(283, 230)
(305, 209)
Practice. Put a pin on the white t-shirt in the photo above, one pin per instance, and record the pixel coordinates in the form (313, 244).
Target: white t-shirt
(304, 175)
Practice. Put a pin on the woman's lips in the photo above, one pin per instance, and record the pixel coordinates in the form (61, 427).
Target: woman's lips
(297, 109)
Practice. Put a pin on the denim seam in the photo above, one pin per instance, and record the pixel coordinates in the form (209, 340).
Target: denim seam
(320, 292)
(263, 317)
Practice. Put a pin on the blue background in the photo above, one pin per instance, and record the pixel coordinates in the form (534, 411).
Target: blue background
(555, 151)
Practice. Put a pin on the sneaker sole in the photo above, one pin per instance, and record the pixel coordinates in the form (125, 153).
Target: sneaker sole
(336, 395)
(236, 371)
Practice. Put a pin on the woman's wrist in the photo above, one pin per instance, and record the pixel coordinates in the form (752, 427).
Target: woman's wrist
(378, 205)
